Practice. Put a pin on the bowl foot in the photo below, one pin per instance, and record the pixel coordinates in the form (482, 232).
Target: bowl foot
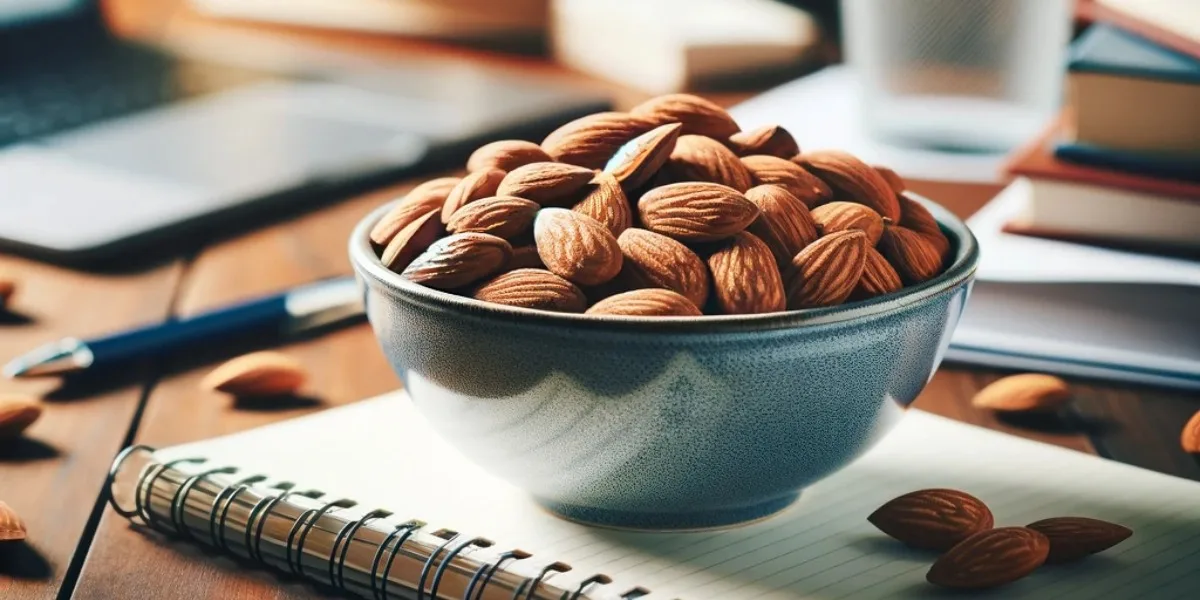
(670, 521)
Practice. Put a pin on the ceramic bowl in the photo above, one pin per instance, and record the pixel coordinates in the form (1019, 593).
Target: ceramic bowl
(664, 423)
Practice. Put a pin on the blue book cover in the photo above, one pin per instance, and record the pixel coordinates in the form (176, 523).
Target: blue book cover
(1184, 167)
(1104, 48)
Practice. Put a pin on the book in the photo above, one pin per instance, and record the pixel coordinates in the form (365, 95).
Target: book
(440, 524)
(1166, 165)
(1172, 23)
(1129, 93)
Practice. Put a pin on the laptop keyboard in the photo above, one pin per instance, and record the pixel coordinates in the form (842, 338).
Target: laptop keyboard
(55, 93)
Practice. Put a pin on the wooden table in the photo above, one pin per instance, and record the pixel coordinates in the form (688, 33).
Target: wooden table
(78, 548)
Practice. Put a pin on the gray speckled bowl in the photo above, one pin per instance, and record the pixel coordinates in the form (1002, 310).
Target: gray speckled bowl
(664, 423)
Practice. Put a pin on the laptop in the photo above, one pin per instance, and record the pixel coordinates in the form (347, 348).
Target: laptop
(108, 147)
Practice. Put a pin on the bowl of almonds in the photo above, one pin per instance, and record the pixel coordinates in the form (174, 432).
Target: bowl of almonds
(657, 319)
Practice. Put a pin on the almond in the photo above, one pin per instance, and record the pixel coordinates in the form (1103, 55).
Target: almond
(772, 140)
(256, 374)
(746, 279)
(476, 185)
(506, 155)
(845, 216)
(591, 140)
(652, 260)
(698, 116)
(916, 217)
(699, 158)
(576, 246)
(990, 558)
(852, 180)
(457, 260)
(502, 216)
(788, 175)
(915, 258)
(533, 288)
(637, 161)
(548, 184)
(648, 302)
(12, 528)
(412, 241)
(893, 179)
(878, 277)
(607, 203)
(7, 288)
(695, 211)
(422, 199)
(826, 271)
(524, 257)
(783, 222)
(17, 413)
(1024, 392)
(933, 519)
(1072, 538)
(1189, 438)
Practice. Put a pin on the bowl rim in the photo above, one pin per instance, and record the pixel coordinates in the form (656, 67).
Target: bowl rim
(368, 266)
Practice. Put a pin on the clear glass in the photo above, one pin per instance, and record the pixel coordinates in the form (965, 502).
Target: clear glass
(981, 75)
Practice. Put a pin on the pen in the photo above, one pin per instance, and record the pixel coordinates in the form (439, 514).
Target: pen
(291, 313)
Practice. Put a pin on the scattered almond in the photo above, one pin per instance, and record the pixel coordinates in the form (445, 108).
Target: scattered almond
(699, 158)
(257, 374)
(12, 528)
(548, 184)
(533, 288)
(933, 519)
(698, 115)
(653, 260)
(784, 222)
(17, 413)
(893, 179)
(915, 258)
(502, 216)
(591, 141)
(458, 260)
(696, 212)
(746, 279)
(418, 202)
(772, 140)
(990, 558)
(8, 287)
(917, 218)
(607, 203)
(1189, 438)
(637, 161)
(576, 246)
(1072, 538)
(1025, 392)
(476, 185)
(808, 188)
(845, 216)
(647, 302)
(853, 180)
(826, 271)
(878, 277)
(506, 155)
(411, 241)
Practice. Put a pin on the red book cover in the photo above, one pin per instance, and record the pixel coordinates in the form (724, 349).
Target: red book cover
(1089, 11)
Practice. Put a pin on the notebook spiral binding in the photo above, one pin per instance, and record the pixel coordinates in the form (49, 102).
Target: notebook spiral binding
(447, 551)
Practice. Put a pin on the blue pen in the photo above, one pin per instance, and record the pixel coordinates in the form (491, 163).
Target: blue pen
(291, 313)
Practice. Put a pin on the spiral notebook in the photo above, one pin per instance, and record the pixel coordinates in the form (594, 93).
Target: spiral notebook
(366, 499)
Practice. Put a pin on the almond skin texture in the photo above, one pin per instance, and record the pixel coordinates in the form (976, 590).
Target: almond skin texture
(502, 216)
(652, 260)
(478, 184)
(826, 271)
(576, 246)
(458, 260)
(915, 258)
(878, 277)
(893, 179)
(917, 218)
(607, 203)
(548, 184)
(506, 155)
(1072, 538)
(422, 199)
(845, 216)
(533, 288)
(783, 222)
(257, 374)
(591, 140)
(648, 302)
(746, 279)
(772, 140)
(524, 257)
(698, 115)
(933, 519)
(788, 175)
(698, 158)
(990, 559)
(636, 162)
(696, 212)
(853, 180)
(1027, 392)
(17, 413)
(12, 528)
(412, 241)
(1189, 438)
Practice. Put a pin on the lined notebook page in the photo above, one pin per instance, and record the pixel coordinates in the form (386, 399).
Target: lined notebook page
(381, 453)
